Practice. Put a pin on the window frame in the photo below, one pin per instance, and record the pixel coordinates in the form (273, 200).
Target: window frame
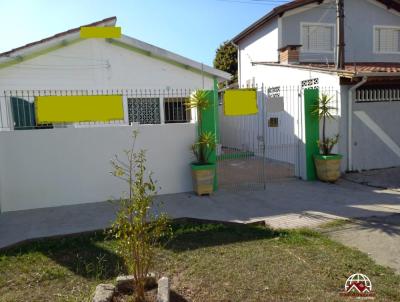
(174, 99)
(375, 27)
(332, 25)
(129, 102)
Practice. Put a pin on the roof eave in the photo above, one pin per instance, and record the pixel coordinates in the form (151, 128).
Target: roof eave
(377, 74)
(68, 35)
(276, 12)
(271, 15)
(321, 69)
(155, 51)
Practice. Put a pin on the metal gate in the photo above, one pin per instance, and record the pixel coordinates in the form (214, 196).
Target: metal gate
(256, 149)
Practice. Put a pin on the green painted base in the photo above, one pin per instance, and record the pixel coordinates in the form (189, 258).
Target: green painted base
(234, 155)
(199, 167)
(328, 157)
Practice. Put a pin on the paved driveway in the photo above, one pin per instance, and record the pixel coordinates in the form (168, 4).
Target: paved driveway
(377, 236)
(292, 203)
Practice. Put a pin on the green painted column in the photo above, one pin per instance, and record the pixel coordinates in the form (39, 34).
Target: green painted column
(216, 111)
(209, 123)
(311, 97)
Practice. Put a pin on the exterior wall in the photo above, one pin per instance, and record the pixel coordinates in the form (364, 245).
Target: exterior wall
(97, 64)
(291, 30)
(70, 166)
(361, 16)
(261, 45)
(370, 149)
(54, 167)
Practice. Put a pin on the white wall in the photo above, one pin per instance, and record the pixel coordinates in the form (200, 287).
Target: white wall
(261, 45)
(97, 64)
(54, 167)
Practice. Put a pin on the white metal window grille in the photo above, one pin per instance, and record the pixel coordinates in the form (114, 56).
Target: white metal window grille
(175, 110)
(144, 110)
(317, 37)
(377, 95)
(387, 40)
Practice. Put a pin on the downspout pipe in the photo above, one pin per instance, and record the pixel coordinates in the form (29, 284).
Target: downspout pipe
(350, 123)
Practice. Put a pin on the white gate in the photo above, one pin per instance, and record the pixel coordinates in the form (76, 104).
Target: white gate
(255, 149)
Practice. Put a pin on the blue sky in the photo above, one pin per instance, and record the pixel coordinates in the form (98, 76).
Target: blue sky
(193, 28)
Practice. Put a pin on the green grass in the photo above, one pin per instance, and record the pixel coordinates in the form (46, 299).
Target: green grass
(206, 262)
(235, 155)
(336, 223)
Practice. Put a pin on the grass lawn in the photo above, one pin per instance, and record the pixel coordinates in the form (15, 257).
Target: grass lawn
(206, 262)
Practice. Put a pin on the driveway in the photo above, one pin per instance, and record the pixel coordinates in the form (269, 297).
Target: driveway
(284, 204)
(379, 237)
(381, 178)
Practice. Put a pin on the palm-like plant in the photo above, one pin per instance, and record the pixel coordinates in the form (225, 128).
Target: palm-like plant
(323, 111)
(198, 100)
(205, 144)
(203, 148)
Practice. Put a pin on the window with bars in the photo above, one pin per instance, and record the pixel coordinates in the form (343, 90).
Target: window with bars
(23, 113)
(386, 39)
(144, 110)
(175, 110)
(317, 37)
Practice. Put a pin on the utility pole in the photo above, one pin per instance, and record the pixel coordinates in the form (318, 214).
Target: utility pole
(340, 55)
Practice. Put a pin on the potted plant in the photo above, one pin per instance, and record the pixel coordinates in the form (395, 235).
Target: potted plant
(327, 164)
(203, 172)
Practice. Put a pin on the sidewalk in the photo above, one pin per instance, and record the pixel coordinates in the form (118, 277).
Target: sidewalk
(288, 204)
(379, 237)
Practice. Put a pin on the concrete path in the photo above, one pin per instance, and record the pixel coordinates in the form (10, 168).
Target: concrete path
(284, 204)
(381, 178)
(379, 237)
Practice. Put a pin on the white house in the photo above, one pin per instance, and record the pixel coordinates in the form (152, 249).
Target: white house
(62, 164)
(295, 45)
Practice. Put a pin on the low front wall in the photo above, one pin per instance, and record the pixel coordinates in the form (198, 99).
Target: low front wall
(376, 135)
(55, 167)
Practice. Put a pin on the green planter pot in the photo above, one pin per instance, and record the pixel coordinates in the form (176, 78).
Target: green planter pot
(203, 178)
(328, 167)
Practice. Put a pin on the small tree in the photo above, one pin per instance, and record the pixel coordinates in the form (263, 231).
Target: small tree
(138, 230)
(323, 111)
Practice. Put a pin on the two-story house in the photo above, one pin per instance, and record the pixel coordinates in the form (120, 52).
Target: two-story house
(296, 44)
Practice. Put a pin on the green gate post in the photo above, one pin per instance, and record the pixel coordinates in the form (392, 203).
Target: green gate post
(210, 123)
(311, 97)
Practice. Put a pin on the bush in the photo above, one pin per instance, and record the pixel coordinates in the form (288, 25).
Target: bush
(137, 228)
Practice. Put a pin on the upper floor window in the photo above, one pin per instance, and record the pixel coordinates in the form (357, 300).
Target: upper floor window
(386, 39)
(317, 37)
